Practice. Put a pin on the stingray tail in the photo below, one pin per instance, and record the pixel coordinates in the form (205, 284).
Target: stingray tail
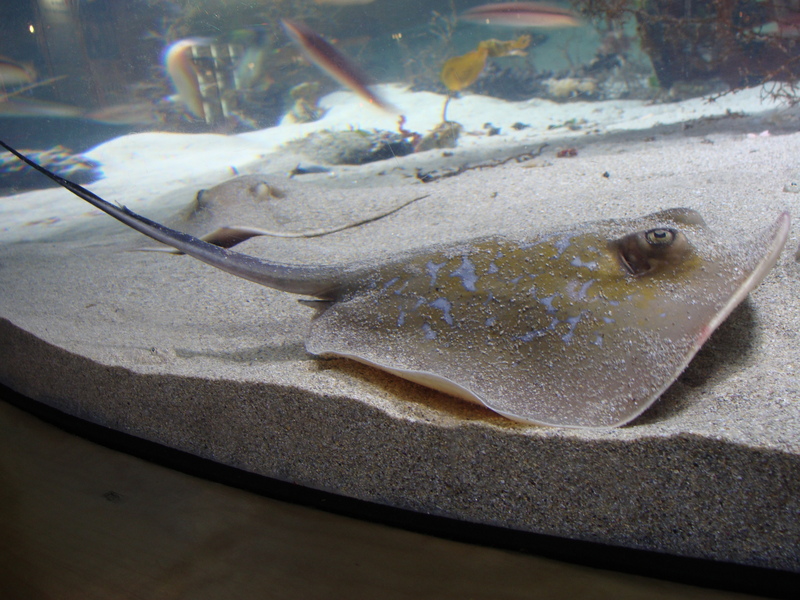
(321, 282)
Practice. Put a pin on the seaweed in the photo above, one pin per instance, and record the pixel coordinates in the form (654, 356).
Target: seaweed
(460, 72)
(422, 53)
(739, 43)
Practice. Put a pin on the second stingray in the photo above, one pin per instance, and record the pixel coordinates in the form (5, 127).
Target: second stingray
(584, 327)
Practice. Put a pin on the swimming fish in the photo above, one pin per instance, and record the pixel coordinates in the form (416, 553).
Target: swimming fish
(583, 327)
(182, 72)
(333, 62)
(521, 14)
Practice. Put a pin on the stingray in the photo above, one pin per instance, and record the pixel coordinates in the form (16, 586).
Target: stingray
(252, 198)
(584, 327)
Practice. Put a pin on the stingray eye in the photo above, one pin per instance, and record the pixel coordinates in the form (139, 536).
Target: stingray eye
(645, 251)
(660, 237)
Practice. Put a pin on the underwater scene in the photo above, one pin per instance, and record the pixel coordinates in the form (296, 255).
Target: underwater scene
(529, 265)
(77, 73)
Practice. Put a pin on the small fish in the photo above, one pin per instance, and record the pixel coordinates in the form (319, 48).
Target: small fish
(13, 73)
(334, 63)
(308, 170)
(182, 72)
(521, 14)
(584, 327)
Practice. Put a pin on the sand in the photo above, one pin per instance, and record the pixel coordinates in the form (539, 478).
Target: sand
(173, 351)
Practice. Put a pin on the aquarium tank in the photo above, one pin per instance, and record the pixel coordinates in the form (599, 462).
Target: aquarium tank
(513, 264)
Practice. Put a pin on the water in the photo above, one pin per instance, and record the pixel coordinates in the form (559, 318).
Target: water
(76, 73)
(374, 127)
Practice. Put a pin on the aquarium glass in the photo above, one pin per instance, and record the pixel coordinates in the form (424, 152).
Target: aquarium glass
(494, 241)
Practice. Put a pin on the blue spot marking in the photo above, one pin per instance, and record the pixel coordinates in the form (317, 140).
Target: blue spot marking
(548, 302)
(585, 288)
(390, 283)
(490, 321)
(401, 319)
(577, 262)
(466, 273)
(430, 334)
(573, 323)
(493, 268)
(444, 305)
(562, 244)
(537, 333)
(598, 340)
(609, 320)
(433, 270)
(399, 290)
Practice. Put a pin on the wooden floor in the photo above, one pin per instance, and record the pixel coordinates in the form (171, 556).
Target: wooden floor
(79, 521)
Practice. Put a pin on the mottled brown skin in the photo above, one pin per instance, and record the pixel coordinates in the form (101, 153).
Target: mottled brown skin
(578, 328)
